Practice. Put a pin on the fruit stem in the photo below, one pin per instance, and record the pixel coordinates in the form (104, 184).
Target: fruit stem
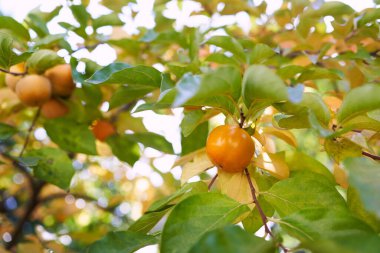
(263, 217)
(242, 118)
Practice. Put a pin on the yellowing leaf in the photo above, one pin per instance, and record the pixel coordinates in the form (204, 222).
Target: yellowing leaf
(340, 176)
(236, 186)
(189, 157)
(284, 135)
(273, 163)
(340, 149)
(357, 138)
(260, 138)
(200, 163)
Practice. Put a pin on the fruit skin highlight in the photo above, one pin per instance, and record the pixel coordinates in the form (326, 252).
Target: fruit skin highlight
(61, 80)
(11, 80)
(102, 129)
(230, 148)
(54, 109)
(33, 90)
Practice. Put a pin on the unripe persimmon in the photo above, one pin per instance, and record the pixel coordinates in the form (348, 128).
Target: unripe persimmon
(54, 109)
(102, 129)
(230, 148)
(10, 79)
(61, 80)
(33, 90)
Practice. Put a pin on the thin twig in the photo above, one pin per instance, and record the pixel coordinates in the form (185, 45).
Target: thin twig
(36, 116)
(212, 181)
(374, 157)
(14, 73)
(263, 217)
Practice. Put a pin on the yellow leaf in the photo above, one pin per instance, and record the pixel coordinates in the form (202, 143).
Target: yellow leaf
(284, 135)
(235, 185)
(273, 163)
(189, 157)
(260, 138)
(340, 176)
(200, 163)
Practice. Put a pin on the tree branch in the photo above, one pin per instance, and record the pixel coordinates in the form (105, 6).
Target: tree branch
(374, 157)
(212, 181)
(13, 73)
(17, 233)
(263, 217)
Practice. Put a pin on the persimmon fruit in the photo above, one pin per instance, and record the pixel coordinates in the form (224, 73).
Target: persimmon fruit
(61, 80)
(54, 109)
(102, 129)
(33, 90)
(11, 80)
(230, 148)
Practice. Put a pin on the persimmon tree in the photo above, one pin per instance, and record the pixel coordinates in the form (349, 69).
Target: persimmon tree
(294, 169)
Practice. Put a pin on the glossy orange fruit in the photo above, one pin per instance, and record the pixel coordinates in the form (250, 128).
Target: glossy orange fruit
(54, 109)
(102, 129)
(230, 148)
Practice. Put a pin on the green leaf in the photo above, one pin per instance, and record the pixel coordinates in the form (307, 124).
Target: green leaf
(162, 206)
(191, 121)
(369, 16)
(333, 8)
(232, 239)
(36, 22)
(304, 189)
(362, 122)
(364, 176)
(253, 222)
(124, 148)
(195, 216)
(54, 166)
(229, 44)
(13, 27)
(368, 243)
(224, 81)
(312, 101)
(299, 161)
(221, 58)
(106, 20)
(6, 131)
(260, 53)
(152, 140)
(289, 71)
(125, 74)
(323, 223)
(81, 14)
(146, 222)
(127, 94)
(121, 242)
(317, 73)
(356, 207)
(6, 52)
(261, 83)
(42, 60)
(185, 191)
(196, 140)
(359, 100)
(71, 136)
